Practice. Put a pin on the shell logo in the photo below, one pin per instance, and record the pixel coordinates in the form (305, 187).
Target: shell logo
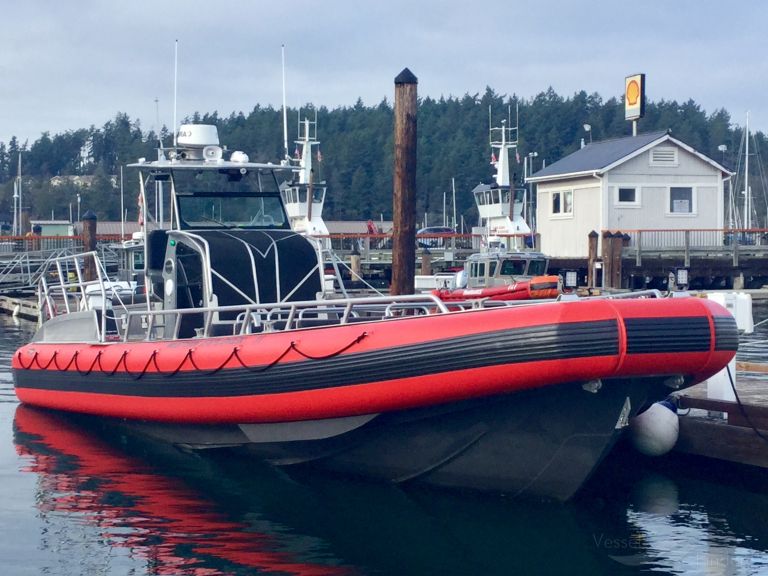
(633, 92)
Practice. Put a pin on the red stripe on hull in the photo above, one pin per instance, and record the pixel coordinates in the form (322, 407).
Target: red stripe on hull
(383, 396)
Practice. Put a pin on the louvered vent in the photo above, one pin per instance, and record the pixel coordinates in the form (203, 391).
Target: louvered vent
(664, 156)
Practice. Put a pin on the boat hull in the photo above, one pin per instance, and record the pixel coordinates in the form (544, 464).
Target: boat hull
(542, 443)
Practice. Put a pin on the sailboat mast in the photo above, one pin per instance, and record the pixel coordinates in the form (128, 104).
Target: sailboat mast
(453, 199)
(122, 207)
(21, 210)
(285, 112)
(175, 88)
(747, 193)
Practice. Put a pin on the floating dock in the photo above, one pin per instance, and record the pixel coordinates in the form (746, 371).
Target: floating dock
(725, 430)
(26, 308)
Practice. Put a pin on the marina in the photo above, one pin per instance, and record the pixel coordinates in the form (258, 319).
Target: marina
(236, 385)
(190, 281)
(399, 388)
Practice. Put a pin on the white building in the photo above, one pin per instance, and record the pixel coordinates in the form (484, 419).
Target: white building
(649, 181)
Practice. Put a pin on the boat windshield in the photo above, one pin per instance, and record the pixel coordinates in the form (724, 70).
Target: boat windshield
(226, 210)
(210, 199)
(537, 267)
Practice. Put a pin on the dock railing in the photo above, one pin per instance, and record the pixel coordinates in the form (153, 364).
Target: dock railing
(373, 246)
(23, 259)
(700, 241)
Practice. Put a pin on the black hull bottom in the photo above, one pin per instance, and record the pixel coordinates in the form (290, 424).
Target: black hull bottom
(542, 443)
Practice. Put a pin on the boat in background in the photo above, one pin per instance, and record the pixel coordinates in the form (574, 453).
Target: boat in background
(502, 275)
(302, 196)
(501, 206)
(506, 267)
(238, 347)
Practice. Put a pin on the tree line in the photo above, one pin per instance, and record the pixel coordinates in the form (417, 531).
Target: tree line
(357, 150)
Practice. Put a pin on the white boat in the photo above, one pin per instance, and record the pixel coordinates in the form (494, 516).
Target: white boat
(501, 206)
(303, 197)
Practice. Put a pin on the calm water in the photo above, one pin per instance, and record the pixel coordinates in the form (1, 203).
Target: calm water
(77, 501)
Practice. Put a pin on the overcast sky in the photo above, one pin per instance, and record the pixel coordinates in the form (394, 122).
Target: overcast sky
(70, 65)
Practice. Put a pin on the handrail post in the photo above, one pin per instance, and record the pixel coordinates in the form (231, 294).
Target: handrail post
(687, 243)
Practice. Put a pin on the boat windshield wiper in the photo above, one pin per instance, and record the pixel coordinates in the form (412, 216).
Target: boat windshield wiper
(215, 221)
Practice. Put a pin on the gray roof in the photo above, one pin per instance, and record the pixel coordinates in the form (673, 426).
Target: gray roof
(598, 155)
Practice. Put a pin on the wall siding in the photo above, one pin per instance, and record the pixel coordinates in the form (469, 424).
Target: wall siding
(568, 236)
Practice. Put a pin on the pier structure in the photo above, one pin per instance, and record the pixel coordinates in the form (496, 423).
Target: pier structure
(734, 431)
(638, 259)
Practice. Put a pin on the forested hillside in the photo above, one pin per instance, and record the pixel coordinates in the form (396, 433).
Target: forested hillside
(357, 150)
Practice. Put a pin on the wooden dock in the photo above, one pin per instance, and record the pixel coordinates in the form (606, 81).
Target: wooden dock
(728, 431)
(26, 308)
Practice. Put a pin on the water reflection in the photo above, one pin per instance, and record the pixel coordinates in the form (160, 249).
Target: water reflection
(687, 516)
(163, 522)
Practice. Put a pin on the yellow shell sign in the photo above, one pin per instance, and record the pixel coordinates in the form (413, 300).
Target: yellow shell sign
(634, 96)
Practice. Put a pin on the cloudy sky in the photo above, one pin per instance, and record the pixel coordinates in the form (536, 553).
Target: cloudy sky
(70, 65)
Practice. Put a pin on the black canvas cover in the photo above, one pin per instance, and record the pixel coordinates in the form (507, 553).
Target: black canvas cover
(265, 265)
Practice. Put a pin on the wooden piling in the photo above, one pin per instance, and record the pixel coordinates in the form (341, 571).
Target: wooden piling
(426, 263)
(404, 189)
(606, 253)
(89, 244)
(592, 242)
(616, 249)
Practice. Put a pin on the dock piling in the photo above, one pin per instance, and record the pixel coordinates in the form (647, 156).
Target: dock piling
(404, 190)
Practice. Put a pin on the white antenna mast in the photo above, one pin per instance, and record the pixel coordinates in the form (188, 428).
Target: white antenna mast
(122, 207)
(175, 87)
(157, 117)
(285, 112)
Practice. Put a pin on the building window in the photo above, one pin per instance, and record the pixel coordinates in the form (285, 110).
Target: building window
(627, 196)
(681, 200)
(562, 202)
(664, 156)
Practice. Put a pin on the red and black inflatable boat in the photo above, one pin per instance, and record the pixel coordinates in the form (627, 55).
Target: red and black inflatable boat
(450, 398)
(536, 288)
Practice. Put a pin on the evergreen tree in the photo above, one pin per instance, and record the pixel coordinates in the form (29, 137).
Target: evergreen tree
(357, 148)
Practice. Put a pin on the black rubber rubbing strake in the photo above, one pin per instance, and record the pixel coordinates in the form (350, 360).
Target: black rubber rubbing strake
(676, 334)
(726, 333)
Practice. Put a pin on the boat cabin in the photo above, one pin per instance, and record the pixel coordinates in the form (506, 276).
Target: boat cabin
(499, 268)
(230, 242)
(130, 264)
